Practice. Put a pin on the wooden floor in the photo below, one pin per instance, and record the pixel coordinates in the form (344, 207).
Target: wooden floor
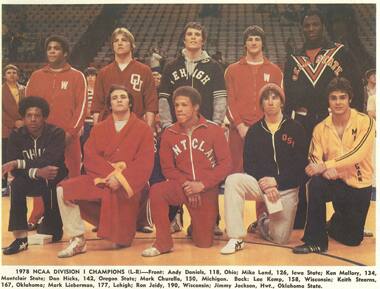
(257, 251)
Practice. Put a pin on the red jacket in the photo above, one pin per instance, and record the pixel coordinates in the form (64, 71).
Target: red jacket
(207, 159)
(136, 77)
(10, 109)
(133, 145)
(243, 82)
(66, 93)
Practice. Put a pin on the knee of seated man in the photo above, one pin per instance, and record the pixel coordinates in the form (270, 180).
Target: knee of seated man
(155, 192)
(315, 186)
(204, 241)
(233, 180)
(280, 236)
(21, 188)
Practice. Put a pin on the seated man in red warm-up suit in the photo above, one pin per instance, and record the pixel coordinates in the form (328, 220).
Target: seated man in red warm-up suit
(118, 158)
(195, 158)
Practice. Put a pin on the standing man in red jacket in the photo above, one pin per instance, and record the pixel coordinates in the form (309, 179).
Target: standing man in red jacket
(64, 88)
(138, 79)
(244, 80)
(195, 158)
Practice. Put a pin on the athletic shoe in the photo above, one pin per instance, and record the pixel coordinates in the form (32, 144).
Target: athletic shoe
(5, 191)
(32, 226)
(176, 224)
(252, 228)
(175, 227)
(217, 231)
(232, 246)
(17, 246)
(260, 226)
(306, 249)
(77, 246)
(150, 252)
(145, 229)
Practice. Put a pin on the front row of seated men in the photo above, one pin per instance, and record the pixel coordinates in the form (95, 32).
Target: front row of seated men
(195, 159)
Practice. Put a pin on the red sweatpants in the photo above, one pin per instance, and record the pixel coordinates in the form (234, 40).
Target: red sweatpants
(72, 162)
(202, 218)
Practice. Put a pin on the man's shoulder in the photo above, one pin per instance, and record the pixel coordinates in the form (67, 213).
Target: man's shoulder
(140, 65)
(320, 126)
(293, 126)
(54, 130)
(141, 125)
(363, 119)
(173, 64)
(272, 65)
(38, 72)
(107, 68)
(213, 126)
(236, 65)
(257, 126)
(75, 71)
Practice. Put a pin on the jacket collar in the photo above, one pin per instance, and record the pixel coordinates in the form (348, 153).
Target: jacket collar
(23, 130)
(176, 128)
(117, 64)
(243, 60)
(265, 127)
(329, 122)
(47, 68)
(326, 44)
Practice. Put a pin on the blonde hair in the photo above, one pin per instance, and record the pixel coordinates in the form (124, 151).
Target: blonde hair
(11, 66)
(124, 31)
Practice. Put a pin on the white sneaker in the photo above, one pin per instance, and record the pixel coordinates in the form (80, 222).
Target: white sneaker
(77, 246)
(150, 252)
(232, 246)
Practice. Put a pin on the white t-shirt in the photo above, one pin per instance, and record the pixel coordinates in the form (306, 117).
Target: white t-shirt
(119, 124)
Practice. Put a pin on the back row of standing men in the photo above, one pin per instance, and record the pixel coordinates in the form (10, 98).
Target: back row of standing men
(307, 75)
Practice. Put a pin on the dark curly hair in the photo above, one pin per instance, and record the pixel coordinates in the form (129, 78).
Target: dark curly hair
(340, 83)
(34, 101)
(61, 40)
(190, 92)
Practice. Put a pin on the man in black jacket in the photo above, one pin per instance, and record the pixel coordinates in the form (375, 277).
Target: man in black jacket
(35, 158)
(306, 76)
(274, 157)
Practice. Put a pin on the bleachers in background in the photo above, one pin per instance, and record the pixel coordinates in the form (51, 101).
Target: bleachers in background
(366, 17)
(36, 22)
(161, 26)
(152, 25)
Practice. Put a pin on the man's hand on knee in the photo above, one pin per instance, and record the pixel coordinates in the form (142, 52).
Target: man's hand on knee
(8, 167)
(272, 194)
(192, 187)
(267, 182)
(195, 200)
(48, 172)
(315, 169)
(331, 174)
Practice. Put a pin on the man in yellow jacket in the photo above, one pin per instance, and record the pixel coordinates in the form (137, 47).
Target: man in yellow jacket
(341, 170)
